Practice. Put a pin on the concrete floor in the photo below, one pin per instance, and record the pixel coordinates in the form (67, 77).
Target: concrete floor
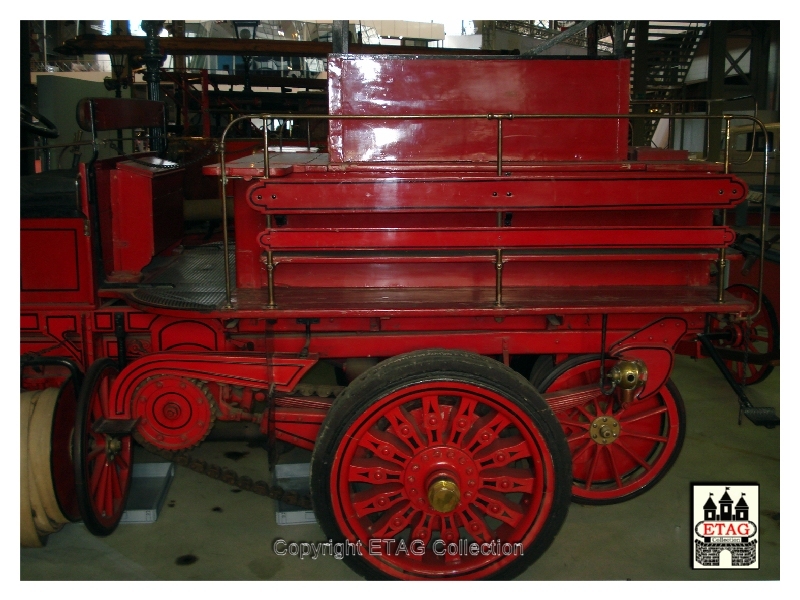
(648, 538)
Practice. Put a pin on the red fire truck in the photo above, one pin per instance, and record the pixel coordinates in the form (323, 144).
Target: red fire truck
(469, 214)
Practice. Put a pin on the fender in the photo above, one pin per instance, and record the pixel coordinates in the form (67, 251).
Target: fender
(654, 345)
(231, 368)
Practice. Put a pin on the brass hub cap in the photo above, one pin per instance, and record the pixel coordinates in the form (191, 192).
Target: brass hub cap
(604, 430)
(444, 495)
(113, 447)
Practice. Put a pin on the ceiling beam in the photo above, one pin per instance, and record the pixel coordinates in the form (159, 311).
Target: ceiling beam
(132, 45)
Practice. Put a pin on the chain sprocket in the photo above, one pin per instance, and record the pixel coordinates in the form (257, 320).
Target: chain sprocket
(243, 482)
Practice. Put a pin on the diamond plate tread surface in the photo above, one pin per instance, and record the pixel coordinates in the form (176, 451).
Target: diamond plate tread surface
(195, 280)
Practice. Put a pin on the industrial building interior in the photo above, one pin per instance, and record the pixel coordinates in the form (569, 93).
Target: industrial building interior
(208, 530)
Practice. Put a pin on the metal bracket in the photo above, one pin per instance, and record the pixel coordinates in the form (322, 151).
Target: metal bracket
(308, 323)
(765, 416)
(115, 427)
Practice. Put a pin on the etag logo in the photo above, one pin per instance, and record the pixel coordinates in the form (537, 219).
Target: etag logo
(725, 523)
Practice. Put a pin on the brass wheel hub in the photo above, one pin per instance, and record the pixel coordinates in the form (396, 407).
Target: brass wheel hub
(113, 447)
(444, 495)
(604, 430)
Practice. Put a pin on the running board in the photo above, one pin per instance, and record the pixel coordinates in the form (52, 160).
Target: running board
(763, 416)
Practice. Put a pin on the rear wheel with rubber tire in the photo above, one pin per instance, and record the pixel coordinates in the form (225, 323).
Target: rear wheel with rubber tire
(434, 455)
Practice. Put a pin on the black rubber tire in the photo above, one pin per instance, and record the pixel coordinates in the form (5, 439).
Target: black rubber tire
(437, 365)
(681, 410)
(79, 449)
(542, 367)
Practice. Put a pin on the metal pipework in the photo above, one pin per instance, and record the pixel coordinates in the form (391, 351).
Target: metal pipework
(722, 263)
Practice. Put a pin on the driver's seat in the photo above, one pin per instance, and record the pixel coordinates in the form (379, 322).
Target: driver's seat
(51, 194)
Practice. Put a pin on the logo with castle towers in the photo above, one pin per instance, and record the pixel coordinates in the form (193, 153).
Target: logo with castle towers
(725, 530)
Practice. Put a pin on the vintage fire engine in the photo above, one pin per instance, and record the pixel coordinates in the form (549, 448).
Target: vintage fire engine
(468, 213)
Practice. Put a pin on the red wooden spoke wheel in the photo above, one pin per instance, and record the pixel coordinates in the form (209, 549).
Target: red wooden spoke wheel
(441, 464)
(103, 462)
(645, 438)
(757, 337)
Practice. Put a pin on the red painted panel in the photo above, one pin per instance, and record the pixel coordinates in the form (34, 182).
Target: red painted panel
(488, 238)
(103, 322)
(29, 321)
(42, 268)
(381, 85)
(146, 214)
(468, 192)
(140, 320)
(55, 262)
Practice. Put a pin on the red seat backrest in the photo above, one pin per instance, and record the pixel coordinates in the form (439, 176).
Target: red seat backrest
(104, 114)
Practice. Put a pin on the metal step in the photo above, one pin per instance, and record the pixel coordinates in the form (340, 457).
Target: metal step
(762, 416)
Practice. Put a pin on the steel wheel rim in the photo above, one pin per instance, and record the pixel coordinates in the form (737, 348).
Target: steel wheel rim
(649, 432)
(464, 412)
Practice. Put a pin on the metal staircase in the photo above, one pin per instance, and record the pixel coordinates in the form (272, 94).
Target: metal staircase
(669, 50)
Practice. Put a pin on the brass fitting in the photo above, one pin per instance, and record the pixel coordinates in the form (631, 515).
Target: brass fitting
(628, 376)
(444, 495)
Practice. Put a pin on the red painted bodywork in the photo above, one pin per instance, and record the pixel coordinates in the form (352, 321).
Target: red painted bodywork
(461, 86)
(146, 215)
(390, 240)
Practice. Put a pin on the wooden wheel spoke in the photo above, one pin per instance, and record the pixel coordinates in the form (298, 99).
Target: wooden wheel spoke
(96, 468)
(752, 348)
(386, 446)
(586, 414)
(485, 430)
(432, 420)
(391, 523)
(658, 410)
(475, 525)
(102, 489)
(502, 452)
(645, 436)
(405, 427)
(113, 490)
(633, 455)
(592, 467)
(566, 422)
(122, 461)
(461, 421)
(589, 443)
(508, 480)
(379, 498)
(374, 470)
(448, 530)
(499, 507)
(613, 463)
(421, 531)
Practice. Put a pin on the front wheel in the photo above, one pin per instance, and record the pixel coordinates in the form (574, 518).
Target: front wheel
(645, 438)
(441, 465)
(761, 336)
(103, 461)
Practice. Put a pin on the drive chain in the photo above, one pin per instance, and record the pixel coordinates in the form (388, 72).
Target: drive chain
(243, 482)
(231, 477)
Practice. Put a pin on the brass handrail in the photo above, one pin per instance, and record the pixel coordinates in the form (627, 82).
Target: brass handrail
(264, 117)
